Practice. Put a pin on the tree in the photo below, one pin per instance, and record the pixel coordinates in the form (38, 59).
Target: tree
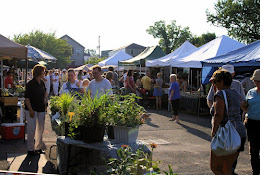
(171, 36)
(203, 39)
(91, 52)
(94, 60)
(49, 43)
(240, 17)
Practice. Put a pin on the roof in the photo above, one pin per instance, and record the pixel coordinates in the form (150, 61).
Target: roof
(218, 46)
(71, 39)
(131, 46)
(10, 49)
(150, 53)
(113, 60)
(245, 56)
(185, 48)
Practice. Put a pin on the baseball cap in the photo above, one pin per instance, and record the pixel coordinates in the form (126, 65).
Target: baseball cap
(229, 68)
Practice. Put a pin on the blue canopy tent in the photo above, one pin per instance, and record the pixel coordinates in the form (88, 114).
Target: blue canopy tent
(242, 58)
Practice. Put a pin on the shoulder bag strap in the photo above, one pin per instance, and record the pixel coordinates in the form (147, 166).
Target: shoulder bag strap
(225, 98)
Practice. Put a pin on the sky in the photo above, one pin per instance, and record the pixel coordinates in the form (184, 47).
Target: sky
(117, 22)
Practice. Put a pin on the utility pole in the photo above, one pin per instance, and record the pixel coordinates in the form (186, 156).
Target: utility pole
(98, 47)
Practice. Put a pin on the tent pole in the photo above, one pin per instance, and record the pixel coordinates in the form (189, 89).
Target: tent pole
(191, 78)
(2, 76)
(26, 71)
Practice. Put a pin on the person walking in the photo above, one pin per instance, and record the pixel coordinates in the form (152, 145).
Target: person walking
(35, 106)
(222, 80)
(99, 85)
(158, 91)
(252, 121)
(64, 77)
(72, 85)
(174, 97)
(55, 80)
(234, 85)
(129, 82)
(47, 82)
(115, 76)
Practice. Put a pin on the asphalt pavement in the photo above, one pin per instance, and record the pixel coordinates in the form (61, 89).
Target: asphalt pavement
(184, 145)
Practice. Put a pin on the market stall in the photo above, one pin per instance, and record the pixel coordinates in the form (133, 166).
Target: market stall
(11, 100)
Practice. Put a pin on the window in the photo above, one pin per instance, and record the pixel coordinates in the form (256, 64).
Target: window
(72, 50)
(132, 51)
(78, 50)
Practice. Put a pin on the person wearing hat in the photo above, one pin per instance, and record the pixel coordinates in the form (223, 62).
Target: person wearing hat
(235, 85)
(55, 80)
(64, 77)
(252, 121)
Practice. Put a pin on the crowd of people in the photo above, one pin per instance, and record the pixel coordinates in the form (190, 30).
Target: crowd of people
(241, 107)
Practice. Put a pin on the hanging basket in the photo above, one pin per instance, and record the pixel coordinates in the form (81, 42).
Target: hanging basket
(125, 134)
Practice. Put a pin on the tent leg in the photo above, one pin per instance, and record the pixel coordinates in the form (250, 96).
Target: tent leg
(2, 76)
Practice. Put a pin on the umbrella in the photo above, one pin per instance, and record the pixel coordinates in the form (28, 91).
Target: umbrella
(39, 55)
(42, 63)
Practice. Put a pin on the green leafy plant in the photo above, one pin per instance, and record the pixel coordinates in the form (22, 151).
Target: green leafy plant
(135, 162)
(54, 104)
(65, 102)
(91, 111)
(124, 111)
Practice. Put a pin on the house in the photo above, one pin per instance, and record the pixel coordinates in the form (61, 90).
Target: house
(77, 57)
(132, 49)
(104, 53)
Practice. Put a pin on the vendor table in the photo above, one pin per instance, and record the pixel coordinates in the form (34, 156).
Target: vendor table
(88, 155)
(194, 103)
(9, 110)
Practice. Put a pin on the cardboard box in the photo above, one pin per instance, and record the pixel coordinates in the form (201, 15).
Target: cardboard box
(12, 131)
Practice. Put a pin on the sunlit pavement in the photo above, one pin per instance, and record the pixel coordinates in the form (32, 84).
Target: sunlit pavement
(184, 145)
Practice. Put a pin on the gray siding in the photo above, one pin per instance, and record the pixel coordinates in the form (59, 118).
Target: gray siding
(77, 57)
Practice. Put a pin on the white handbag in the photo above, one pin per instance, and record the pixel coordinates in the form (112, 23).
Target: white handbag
(226, 140)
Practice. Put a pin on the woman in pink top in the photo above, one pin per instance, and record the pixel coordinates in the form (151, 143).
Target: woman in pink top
(129, 82)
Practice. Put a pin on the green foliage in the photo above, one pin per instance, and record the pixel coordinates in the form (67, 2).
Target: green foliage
(92, 111)
(130, 162)
(240, 17)
(49, 43)
(65, 102)
(137, 162)
(54, 104)
(203, 39)
(126, 112)
(171, 36)
(94, 60)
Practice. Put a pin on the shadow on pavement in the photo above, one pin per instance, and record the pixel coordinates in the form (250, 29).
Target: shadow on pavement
(49, 168)
(30, 164)
(196, 132)
(148, 122)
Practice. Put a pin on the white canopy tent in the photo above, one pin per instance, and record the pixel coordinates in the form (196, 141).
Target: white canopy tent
(218, 46)
(113, 60)
(185, 48)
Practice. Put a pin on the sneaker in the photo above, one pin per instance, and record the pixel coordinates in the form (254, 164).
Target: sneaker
(40, 151)
(31, 153)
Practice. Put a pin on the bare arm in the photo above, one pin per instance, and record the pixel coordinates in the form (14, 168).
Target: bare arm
(172, 92)
(219, 106)
(244, 105)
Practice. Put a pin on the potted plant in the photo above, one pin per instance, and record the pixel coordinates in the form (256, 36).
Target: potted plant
(126, 116)
(91, 116)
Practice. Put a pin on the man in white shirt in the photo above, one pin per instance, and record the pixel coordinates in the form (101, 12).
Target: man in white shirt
(72, 84)
(99, 85)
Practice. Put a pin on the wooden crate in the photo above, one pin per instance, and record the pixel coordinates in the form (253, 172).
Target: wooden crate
(10, 101)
